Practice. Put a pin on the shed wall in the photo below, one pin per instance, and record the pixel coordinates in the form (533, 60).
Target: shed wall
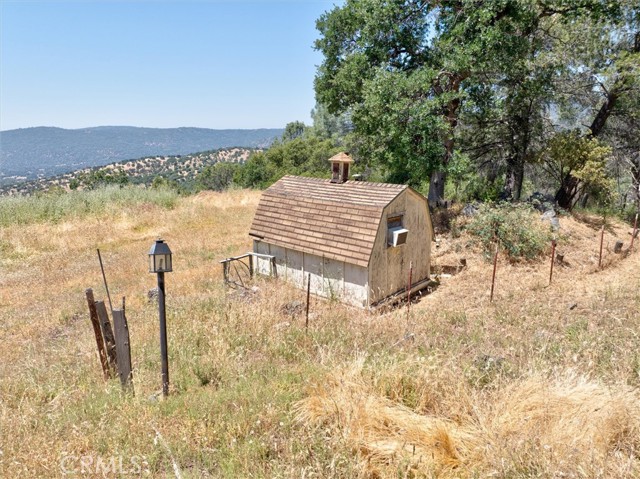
(389, 266)
(329, 278)
(261, 265)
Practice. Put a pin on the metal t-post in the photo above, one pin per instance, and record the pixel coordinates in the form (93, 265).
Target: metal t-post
(163, 335)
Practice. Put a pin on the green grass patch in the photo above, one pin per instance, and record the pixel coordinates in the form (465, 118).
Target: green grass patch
(54, 207)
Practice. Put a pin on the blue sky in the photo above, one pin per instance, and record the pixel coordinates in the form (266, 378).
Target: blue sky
(210, 64)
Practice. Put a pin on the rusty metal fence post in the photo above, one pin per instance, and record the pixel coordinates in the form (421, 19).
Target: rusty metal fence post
(553, 258)
(495, 266)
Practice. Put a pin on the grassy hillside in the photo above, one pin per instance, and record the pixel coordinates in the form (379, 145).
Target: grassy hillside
(181, 170)
(542, 382)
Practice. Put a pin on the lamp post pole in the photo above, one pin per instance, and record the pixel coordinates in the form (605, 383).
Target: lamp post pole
(163, 335)
(160, 263)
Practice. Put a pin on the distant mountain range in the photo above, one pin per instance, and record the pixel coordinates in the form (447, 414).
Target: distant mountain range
(31, 153)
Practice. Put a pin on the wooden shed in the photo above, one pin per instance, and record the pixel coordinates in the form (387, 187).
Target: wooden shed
(356, 239)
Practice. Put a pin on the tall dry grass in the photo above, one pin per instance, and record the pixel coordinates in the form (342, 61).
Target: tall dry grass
(536, 426)
(441, 379)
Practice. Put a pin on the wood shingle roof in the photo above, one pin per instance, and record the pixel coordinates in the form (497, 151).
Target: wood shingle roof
(334, 220)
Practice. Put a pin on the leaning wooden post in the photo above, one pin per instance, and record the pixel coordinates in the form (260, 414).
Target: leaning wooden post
(601, 243)
(306, 321)
(95, 322)
(634, 233)
(495, 265)
(409, 290)
(123, 349)
(107, 334)
(553, 258)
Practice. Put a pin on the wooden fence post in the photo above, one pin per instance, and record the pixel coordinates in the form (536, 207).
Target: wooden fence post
(95, 322)
(123, 348)
(107, 334)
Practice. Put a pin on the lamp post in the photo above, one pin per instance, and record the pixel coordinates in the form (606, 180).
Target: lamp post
(160, 263)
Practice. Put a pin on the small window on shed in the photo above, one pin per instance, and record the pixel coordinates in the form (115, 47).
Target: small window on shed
(394, 221)
(396, 232)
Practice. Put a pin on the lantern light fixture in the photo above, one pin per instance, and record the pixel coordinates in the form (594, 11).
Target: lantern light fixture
(160, 258)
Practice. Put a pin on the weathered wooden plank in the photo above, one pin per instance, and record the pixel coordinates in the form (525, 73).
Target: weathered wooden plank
(107, 334)
(97, 331)
(123, 349)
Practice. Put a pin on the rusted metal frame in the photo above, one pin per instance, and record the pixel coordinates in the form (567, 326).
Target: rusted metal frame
(238, 273)
(257, 255)
(226, 269)
(228, 262)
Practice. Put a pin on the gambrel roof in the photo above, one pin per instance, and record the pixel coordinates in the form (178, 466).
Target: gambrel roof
(335, 220)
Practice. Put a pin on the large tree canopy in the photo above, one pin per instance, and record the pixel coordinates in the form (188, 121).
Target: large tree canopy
(417, 76)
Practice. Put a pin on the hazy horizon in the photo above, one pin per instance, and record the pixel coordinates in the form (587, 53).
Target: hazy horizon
(148, 127)
(157, 64)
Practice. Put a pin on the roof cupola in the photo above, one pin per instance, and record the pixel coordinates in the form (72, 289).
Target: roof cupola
(340, 167)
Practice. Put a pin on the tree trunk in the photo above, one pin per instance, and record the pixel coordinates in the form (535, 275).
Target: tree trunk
(598, 124)
(436, 188)
(438, 178)
(566, 195)
(514, 178)
(584, 199)
(605, 110)
(568, 190)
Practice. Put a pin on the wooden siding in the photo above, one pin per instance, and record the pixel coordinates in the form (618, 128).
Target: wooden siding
(389, 266)
(314, 216)
(329, 278)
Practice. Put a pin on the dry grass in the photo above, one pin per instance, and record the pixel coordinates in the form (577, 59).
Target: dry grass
(564, 426)
(543, 382)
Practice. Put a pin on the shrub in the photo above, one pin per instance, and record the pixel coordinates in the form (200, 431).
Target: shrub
(217, 177)
(515, 226)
